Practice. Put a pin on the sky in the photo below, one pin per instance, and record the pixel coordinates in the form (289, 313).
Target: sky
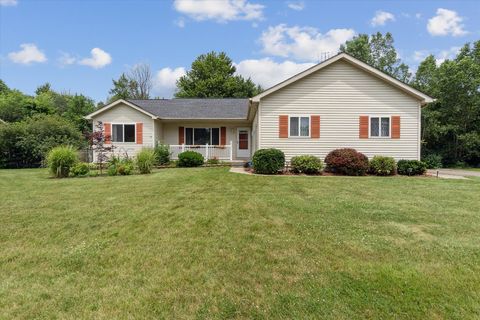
(79, 46)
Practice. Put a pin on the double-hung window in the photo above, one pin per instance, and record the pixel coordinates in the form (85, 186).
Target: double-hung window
(380, 127)
(123, 132)
(201, 136)
(299, 126)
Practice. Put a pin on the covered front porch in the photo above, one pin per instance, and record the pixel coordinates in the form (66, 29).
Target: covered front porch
(226, 140)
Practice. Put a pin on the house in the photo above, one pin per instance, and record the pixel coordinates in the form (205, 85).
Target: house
(338, 103)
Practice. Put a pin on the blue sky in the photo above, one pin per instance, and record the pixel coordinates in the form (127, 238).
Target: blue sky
(80, 46)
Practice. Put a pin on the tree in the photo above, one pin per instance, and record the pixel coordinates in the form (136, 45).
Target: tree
(46, 87)
(452, 123)
(141, 76)
(134, 85)
(212, 75)
(123, 88)
(25, 143)
(98, 145)
(378, 51)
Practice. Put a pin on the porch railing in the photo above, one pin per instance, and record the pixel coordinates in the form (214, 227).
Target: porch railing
(223, 152)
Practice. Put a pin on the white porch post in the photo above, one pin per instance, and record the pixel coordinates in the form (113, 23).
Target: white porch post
(206, 151)
(231, 150)
(183, 147)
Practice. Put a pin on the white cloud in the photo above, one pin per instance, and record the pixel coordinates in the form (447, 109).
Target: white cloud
(440, 55)
(443, 55)
(381, 17)
(99, 59)
(29, 54)
(418, 15)
(446, 22)
(66, 59)
(267, 72)
(165, 81)
(219, 10)
(8, 3)
(297, 6)
(302, 43)
(419, 55)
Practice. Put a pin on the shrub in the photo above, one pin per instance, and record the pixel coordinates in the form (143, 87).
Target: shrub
(347, 161)
(118, 166)
(307, 164)
(411, 167)
(26, 143)
(268, 161)
(190, 159)
(433, 161)
(61, 159)
(80, 169)
(112, 170)
(213, 161)
(162, 153)
(383, 166)
(125, 167)
(145, 160)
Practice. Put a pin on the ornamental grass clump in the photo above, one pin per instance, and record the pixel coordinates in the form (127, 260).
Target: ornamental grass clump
(145, 160)
(61, 159)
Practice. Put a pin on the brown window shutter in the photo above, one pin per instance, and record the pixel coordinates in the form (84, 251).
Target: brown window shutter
(315, 127)
(107, 127)
(395, 127)
(283, 126)
(223, 136)
(363, 133)
(181, 135)
(139, 132)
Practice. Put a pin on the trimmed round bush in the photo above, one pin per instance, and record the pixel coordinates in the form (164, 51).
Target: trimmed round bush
(347, 161)
(383, 166)
(190, 159)
(80, 169)
(307, 164)
(145, 160)
(268, 161)
(61, 159)
(433, 161)
(411, 167)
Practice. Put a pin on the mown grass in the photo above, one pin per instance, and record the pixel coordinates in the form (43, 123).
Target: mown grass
(208, 244)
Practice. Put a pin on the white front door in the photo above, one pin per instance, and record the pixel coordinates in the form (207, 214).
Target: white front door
(243, 142)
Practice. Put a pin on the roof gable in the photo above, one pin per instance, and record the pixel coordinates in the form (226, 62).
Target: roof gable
(423, 98)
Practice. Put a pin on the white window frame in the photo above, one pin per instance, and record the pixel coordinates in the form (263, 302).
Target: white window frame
(299, 125)
(380, 127)
(123, 126)
(193, 135)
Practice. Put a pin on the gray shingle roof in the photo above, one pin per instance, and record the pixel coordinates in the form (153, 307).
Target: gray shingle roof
(195, 108)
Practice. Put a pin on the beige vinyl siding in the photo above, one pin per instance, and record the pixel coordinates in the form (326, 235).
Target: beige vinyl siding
(340, 93)
(125, 114)
(254, 134)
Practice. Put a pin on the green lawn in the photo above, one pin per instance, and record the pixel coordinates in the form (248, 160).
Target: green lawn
(209, 244)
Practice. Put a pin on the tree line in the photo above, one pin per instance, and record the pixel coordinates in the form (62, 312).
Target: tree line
(450, 125)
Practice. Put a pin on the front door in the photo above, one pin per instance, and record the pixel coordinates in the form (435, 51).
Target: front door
(243, 142)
